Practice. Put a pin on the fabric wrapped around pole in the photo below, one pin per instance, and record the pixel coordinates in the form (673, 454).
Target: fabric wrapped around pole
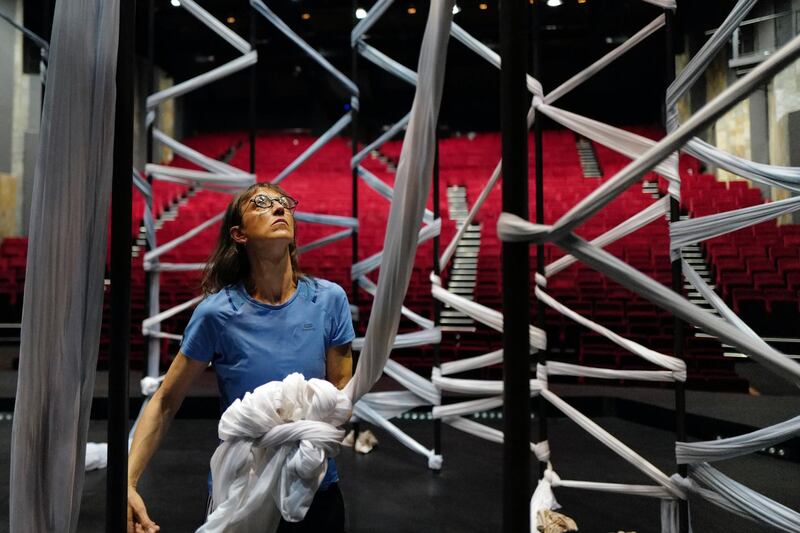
(63, 298)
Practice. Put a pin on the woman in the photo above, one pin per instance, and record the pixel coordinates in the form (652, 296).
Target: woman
(261, 320)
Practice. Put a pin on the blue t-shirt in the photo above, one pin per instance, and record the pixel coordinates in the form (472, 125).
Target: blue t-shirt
(250, 343)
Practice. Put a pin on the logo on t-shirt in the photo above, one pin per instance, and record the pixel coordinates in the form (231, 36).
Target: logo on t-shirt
(308, 326)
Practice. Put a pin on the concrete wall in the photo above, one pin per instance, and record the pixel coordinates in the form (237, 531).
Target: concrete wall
(20, 103)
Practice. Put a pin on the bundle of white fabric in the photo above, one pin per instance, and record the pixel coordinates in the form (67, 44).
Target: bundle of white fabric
(275, 443)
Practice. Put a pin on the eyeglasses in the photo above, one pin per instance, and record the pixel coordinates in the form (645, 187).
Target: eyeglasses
(262, 201)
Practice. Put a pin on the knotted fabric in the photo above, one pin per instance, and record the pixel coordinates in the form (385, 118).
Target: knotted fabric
(276, 442)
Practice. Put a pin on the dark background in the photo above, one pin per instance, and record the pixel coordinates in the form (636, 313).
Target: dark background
(293, 92)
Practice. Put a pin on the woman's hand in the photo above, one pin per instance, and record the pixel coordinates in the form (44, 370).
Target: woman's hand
(138, 521)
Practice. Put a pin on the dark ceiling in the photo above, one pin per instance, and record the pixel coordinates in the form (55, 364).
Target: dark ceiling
(293, 92)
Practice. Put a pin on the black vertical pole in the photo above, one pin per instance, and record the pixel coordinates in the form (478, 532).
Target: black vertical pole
(516, 269)
(253, 88)
(437, 306)
(355, 104)
(677, 284)
(121, 202)
(541, 404)
(151, 74)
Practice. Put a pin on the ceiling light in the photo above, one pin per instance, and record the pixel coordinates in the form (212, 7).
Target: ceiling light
(175, 3)
(581, 1)
(361, 13)
(412, 10)
(483, 7)
(231, 20)
(305, 16)
(554, 3)
(456, 9)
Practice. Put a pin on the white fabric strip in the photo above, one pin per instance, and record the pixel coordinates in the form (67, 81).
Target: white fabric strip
(555, 368)
(473, 386)
(694, 230)
(676, 367)
(323, 241)
(471, 363)
(323, 139)
(240, 179)
(468, 407)
(666, 4)
(150, 256)
(174, 267)
(413, 382)
(614, 444)
(481, 313)
(216, 26)
(326, 220)
(147, 323)
(64, 268)
(651, 491)
(407, 340)
(367, 284)
(721, 449)
(193, 155)
(482, 431)
(621, 141)
(235, 65)
(364, 412)
(260, 7)
(399, 126)
(390, 404)
(718, 303)
(387, 63)
(375, 13)
(141, 184)
(385, 190)
(746, 501)
(606, 60)
(365, 266)
(653, 212)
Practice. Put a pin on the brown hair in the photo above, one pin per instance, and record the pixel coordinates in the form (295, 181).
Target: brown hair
(228, 263)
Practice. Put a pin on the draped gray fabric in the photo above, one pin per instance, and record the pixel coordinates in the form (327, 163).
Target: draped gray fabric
(65, 269)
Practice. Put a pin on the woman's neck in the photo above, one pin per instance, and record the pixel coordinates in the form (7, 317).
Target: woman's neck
(271, 279)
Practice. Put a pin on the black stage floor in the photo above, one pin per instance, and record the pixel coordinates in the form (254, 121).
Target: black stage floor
(391, 490)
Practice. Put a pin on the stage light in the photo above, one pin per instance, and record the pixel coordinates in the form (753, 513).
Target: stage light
(305, 16)
(483, 7)
(456, 9)
(554, 3)
(231, 20)
(175, 3)
(361, 13)
(581, 1)
(412, 10)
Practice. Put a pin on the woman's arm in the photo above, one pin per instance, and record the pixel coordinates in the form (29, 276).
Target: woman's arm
(151, 429)
(339, 362)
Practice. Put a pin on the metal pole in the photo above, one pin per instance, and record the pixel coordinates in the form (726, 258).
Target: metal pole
(253, 88)
(541, 404)
(355, 104)
(677, 284)
(516, 269)
(437, 306)
(152, 278)
(117, 480)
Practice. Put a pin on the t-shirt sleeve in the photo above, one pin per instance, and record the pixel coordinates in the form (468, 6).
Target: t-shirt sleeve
(342, 320)
(201, 334)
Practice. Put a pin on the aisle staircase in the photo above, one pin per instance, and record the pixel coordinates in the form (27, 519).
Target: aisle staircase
(464, 271)
(693, 255)
(589, 164)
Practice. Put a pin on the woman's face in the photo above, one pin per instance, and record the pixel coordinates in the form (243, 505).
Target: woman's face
(267, 217)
